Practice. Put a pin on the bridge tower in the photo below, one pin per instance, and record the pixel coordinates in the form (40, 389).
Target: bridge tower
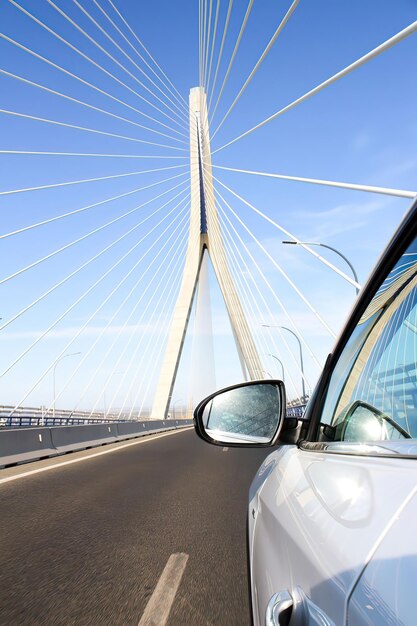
(205, 237)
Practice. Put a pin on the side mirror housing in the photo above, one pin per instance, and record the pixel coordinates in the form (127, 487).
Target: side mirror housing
(248, 414)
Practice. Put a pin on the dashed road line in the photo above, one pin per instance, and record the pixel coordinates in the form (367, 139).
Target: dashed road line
(159, 606)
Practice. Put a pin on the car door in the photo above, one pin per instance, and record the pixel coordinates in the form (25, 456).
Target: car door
(320, 511)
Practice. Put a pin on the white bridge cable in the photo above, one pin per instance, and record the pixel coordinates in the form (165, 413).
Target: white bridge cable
(219, 235)
(78, 333)
(82, 238)
(166, 86)
(97, 282)
(117, 337)
(251, 300)
(250, 295)
(89, 130)
(106, 34)
(276, 298)
(206, 54)
(158, 346)
(168, 304)
(169, 284)
(253, 304)
(240, 326)
(92, 86)
(231, 243)
(156, 357)
(280, 270)
(267, 283)
(399, 193)
(406, 32)
(294, 238)
(119, 308)
(86, 263)
(195, 244)
(213, 43)
(88, 180)
(97, 65)
(110, 56)
(232, 58)
(60, 94)
(92, 206)
(200, 44)
(258, 63)
(147, 52)
(220, 55)
(207, 40)
(90, 154)
(203, 42)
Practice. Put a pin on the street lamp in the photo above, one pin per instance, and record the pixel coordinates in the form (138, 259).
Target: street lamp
(324, 245)
(282, 366)
(173, 407)
(301, 353)
(53, 376)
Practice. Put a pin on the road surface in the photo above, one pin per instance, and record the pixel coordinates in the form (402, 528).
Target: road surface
(91, 542)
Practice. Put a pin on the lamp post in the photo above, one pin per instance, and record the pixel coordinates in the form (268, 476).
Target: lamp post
(301, 353)
(53, 376)
(324, 245)
(173, 407)
(282, 366)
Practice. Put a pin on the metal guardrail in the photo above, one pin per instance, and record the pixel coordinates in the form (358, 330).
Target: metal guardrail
(27, 421)
(29, 411)
(296, 411)
(34, 417)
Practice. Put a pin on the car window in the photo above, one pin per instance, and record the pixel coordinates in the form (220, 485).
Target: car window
(372, 395)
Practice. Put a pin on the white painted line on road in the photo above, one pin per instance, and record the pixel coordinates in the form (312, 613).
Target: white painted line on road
(91, 456)
(225, 449)
(160, 603)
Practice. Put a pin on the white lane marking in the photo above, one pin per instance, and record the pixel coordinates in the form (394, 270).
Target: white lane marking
(225, 449)
(90, 456)
(160, 603)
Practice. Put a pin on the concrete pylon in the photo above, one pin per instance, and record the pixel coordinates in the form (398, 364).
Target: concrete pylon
(204, 234)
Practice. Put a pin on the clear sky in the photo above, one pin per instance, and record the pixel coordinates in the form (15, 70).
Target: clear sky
(362, 129)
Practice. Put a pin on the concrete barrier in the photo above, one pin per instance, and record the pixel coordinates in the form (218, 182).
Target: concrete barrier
(71, 438)
(154, 426)
(21, 445)
(129, 430)
(183, 423)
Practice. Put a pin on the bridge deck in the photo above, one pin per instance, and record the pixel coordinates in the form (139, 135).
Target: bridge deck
(87, 543)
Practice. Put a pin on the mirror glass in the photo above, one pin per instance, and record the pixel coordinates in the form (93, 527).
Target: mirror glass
(247, 414)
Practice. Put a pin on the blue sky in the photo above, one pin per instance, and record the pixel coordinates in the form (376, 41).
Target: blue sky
(363, 129)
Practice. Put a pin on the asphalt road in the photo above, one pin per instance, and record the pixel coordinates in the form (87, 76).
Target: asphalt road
(87, 543)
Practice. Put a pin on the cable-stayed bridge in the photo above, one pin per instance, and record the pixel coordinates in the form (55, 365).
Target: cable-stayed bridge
(100, 280)
(143, 212)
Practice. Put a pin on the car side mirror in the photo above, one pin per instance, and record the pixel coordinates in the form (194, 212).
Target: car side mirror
(248, 414)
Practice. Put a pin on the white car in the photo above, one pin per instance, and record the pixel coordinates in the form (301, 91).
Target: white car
(333, 509)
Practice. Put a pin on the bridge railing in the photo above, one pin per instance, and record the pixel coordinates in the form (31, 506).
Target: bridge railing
(30, 420)
(34, 416)
(296, 411)
(38, 416)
